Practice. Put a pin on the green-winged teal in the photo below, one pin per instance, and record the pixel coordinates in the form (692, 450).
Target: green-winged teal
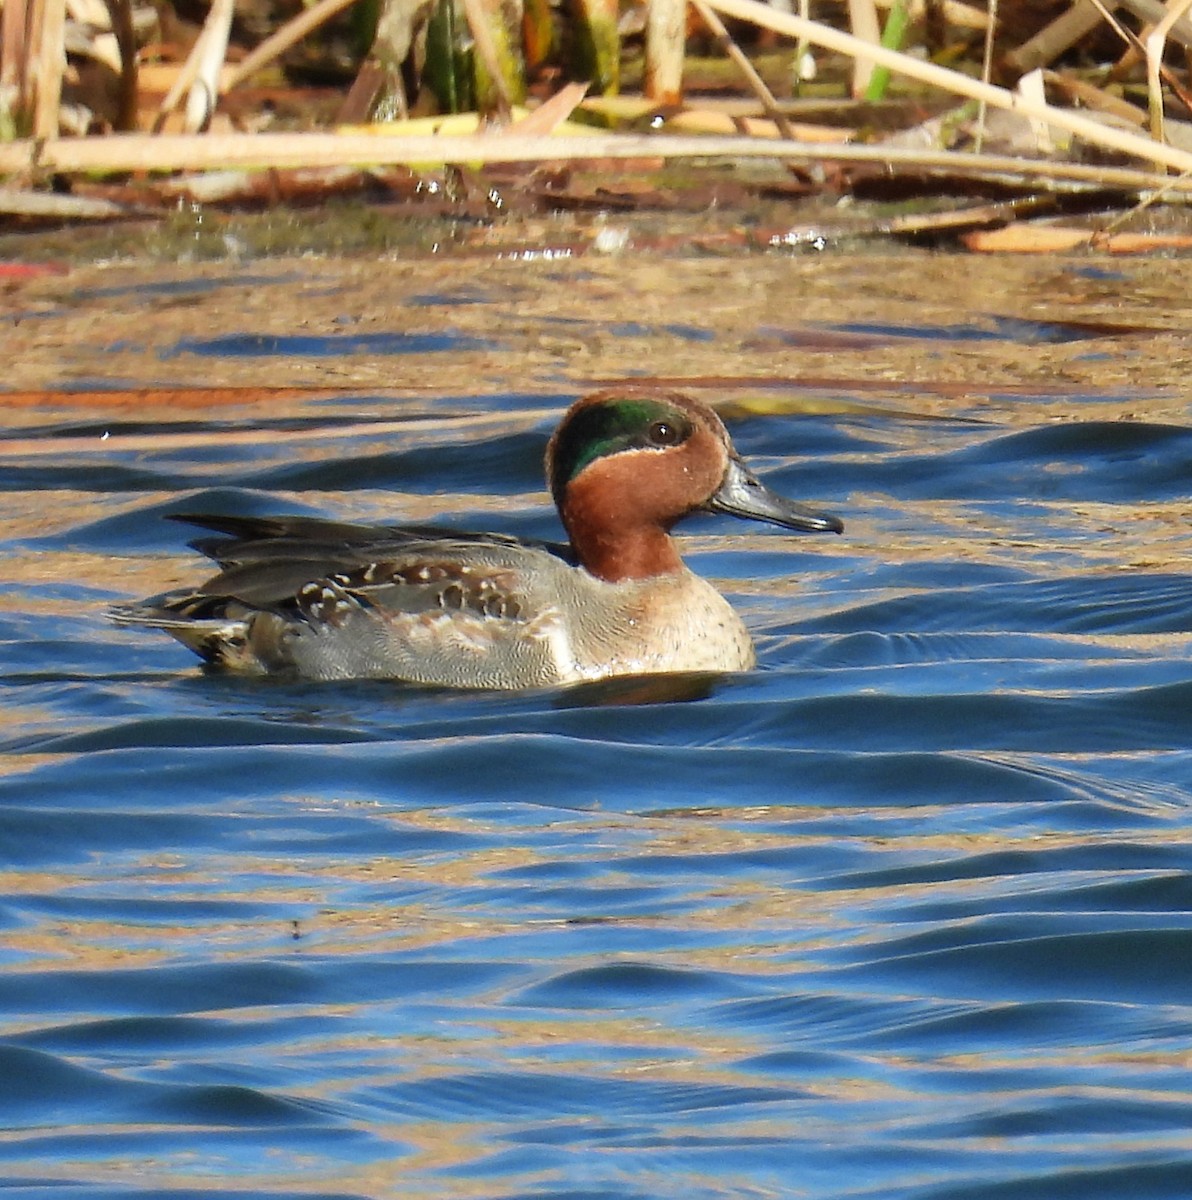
(323, 600)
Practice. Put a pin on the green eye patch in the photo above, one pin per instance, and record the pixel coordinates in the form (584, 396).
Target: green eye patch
(611, 428)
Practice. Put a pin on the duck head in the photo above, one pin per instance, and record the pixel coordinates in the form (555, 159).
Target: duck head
(626, 464)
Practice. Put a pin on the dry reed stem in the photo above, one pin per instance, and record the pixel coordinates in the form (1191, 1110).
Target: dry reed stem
(1096, 98)
(1156, 43)
(20, 203)
(130, 152)
(1060, 239)
(1106, 9)
(953, 81)
(49, 62)
(1050, 42)
(1136, 52)
(182, 81)
(1032, 87)
(172, 152)
(756, 83)
(14, 33)
(666, 34)
(126, 48)
(986, 75)
(288, 35)
(1152, 12)
(211, 50)
(862, 19)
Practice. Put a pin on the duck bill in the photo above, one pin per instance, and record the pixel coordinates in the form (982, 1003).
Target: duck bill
(742, 494)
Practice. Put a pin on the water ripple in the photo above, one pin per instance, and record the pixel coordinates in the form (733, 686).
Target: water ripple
(902, 915)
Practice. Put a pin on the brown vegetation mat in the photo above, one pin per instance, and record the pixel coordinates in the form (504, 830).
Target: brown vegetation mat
(1040, 103)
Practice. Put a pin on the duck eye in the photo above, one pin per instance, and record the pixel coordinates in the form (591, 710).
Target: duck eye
(665, 433)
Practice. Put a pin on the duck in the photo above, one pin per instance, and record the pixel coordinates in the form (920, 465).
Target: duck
(318, 599)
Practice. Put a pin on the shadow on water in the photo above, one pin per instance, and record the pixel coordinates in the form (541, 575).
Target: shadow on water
(904, 913)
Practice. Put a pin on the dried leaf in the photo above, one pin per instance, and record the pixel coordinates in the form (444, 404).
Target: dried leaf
(553, 113)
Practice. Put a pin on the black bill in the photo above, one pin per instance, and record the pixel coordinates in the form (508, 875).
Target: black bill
(742, 494)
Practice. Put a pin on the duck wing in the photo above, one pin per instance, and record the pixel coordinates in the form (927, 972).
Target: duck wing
(264, 539)
(336, 600)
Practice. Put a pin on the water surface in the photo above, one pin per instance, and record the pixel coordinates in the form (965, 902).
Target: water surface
(904, 913)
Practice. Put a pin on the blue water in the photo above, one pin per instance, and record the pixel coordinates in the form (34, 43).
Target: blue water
(905, 914)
